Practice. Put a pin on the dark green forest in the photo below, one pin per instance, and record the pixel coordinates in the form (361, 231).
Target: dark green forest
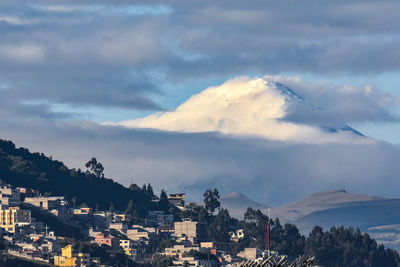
(20, 167)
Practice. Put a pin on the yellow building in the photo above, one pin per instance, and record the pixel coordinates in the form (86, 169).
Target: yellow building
(177, 199)
(127, 246)
(68, 258)
(180, 196)
(13, 216)
(120, 217)
(83, 211)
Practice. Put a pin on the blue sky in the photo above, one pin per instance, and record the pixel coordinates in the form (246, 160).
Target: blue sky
(76, 64)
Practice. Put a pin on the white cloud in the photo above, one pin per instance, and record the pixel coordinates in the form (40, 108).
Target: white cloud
(25, 53)
(14, 20)
(339, 103)
(268, 171)
(245, 106)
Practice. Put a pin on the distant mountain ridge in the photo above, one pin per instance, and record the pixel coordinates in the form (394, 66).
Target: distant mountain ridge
(377, 216)
(237, 204)
(319, 201)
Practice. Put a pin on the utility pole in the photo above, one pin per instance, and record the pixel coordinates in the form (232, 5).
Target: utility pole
(46, 228)
(269, 238)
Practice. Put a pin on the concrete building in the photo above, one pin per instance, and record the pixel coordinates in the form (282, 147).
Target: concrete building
(121, 227)
(12, 217)
(50, 244)
(177, 199)
(93, 233)
(110, 241)
(46, 203)
(159, 218)
(194, 231)
(9, 197)
(192, 261)
(220, 246)
(63, 213)
(138, 232)
(250, 253)
(178, 250)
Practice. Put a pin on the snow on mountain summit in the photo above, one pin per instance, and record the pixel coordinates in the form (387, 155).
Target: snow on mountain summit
(245, 106)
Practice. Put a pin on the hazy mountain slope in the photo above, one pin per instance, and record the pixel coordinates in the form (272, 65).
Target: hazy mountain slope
(362, 215)
(238, 203)
(377, 216)
(291, 212)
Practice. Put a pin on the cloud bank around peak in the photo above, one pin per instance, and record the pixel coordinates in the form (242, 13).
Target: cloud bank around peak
(270, 172)
(276, 108)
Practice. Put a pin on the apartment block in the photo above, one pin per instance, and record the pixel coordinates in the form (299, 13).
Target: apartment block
(9, 197)
(194, 231)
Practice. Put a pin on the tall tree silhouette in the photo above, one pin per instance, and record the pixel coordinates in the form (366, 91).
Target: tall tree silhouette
(95, 168)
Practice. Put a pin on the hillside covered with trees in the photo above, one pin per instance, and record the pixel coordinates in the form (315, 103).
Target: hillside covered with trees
(20, 167)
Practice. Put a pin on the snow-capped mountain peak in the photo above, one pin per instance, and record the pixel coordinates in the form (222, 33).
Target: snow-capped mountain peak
(247, 106)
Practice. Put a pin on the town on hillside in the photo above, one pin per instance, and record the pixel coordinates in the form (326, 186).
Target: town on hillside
(50, 230)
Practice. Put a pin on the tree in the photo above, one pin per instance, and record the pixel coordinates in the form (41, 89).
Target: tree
(74, 201)
(163, 203)
(218, 230)
(348, 247)
(163, 261)
(149, 190)
(130, 208)
(134, 188)
(202, 215)
(290, 242)
(95, 168)
(84, 205)
(111, 207)
(211, 200)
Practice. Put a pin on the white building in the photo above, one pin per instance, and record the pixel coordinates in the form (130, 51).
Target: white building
(9, 197)
(194, 231)
(46, 203)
